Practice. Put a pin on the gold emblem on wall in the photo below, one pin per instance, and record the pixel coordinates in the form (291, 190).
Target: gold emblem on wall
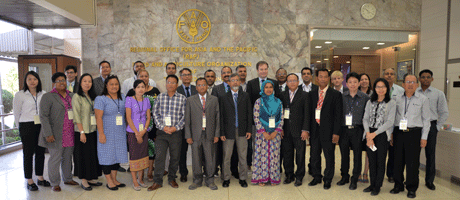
(193, 26)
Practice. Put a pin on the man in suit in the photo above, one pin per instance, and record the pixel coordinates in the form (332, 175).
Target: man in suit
(71, 74)
(241, 70)
(307, 84)
(281, 77)
(326, 111)
(296, 129)
(219, 91)
(235, 125)
(187, 90)
(210, 77)
(202, 130)
(337, 81)
(98, 82)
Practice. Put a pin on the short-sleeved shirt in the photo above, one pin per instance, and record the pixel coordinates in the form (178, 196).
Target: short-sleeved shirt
(138, 111)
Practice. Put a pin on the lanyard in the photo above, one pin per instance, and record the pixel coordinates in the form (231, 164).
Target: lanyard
(141, 109)
(406, 107)
(352, 104)
(118, 100)
(35, 99)
(92, 108)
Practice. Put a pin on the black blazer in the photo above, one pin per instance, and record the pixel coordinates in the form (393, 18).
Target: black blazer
(253, 89)
(299, 115)
(181, 90)
(331, 114)
(218, 91)
(227, 115)
(313, 87)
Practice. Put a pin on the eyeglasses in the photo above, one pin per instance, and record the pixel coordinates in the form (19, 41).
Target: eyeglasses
(410, 82)
(234, 80)
(281, 74)
(292, 81)
(201, 85)
(59, 81)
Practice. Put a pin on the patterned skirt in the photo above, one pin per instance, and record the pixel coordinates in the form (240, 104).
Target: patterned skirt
(138, 153)
(266, 164)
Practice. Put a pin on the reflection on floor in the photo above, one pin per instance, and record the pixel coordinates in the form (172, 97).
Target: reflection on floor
(13, 186)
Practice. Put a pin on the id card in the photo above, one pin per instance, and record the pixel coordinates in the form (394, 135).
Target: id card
(204, 122)
(271, 122)
(348, 120)
(141, 127)
(373, 148)
(403, 124)
(286, 113)
(37, 119)
(119, 120)
(93, 119)
(168, 121)
(318, 114)
(70, 114)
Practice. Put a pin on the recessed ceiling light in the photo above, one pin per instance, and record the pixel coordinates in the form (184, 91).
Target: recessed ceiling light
(318, 47)
(365, 47)
(380, 43)
(348, 61)
(328, 42)
(336, 56)
(413, 49)
(318, 61)
(326, 59)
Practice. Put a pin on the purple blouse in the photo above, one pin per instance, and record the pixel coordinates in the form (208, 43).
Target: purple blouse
(68, 129)
(138, 112)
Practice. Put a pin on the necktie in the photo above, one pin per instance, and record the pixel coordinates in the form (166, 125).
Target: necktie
(320, 102)
(291, 96)
(228, 88)
(187, 93)
(235, 100)
(204, 105)
(261, 82)
(70, 88)
(281, 88)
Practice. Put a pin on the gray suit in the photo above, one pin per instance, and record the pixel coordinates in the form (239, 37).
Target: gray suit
(202, 139)
(52, 113)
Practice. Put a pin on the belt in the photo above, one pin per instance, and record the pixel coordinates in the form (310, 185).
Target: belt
(353, 127)
(411, 129)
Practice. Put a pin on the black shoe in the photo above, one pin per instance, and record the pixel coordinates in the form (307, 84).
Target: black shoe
(86, 188)
(327, 185)
(236, 175)
(95, 184)
(226, 183)
(121, 185)
(353, 186)
(309, 170)
(111, 188)
(288, 179)
(298, 182)
(183, 179)
(375, 192)
(32, 187)
(411, 194)
(314, 182)
(391, 179)
(129, 169)
(343, 181)
(44, 183)
(368, 189)
(121, 169)
(396, 190)
(243, 183)
(430, 186)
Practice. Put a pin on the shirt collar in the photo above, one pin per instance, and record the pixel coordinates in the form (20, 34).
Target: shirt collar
(260, 79)
(202, 96)
(290, 92)
(233, 92)
(359, 94)
(419, 89)
(324, 90)
(103, 79)
(225, 84)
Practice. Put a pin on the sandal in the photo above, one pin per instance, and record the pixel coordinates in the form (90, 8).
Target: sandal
(150, 178)
(360, 179)
(365, 178)
(261, 184)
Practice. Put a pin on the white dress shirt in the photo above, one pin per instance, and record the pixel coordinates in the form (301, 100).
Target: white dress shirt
(438, 105)
(306, 88)
(24, 106)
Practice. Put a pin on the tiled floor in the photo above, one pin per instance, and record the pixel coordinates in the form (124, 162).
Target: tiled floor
(13, 186)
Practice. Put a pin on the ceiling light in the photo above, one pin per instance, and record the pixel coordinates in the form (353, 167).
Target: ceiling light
(318, 47)
(336, 56)
(318, 61)
(365, 47)
(413, 49)
(326, 59)
(380, 43)
(328, 42)
(348, 61)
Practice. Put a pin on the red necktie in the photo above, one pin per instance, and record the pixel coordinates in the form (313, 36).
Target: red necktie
(204, 106)
(320, 102)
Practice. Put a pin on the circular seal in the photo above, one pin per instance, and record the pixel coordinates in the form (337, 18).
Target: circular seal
(193, 26)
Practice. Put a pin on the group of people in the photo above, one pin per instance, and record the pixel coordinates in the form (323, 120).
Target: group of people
(236, 126)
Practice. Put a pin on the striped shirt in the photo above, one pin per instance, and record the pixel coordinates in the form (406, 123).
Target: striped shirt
(170, 106)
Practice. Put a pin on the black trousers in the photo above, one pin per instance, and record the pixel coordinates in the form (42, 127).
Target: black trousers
(377, 159)
(293, 146)
(183, 156)
(219, 157)
(430, 153)
(390, 162)
(407, 154)
(234, 160)
(29, 133)
(250, 152)
(107, 169)
(328, 148)
(351, 138)
(165, 141)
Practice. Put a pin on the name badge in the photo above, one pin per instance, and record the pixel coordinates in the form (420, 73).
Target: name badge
(204, 121)
(70, 114)
(168, 120)
(37, 119)
(93, 119)
(373, 148)
(119, 120)
(141, 127)
(348, 120)
(318, 114)
(403, 124)
(286, 113)
(271, 122)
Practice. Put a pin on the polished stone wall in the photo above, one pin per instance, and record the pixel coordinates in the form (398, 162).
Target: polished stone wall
(278, 28)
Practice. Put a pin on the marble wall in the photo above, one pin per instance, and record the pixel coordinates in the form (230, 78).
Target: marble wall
(278, 28)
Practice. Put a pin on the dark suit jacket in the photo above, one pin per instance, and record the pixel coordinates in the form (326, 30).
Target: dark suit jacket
(218, 91)
(299, 115)
(181, 90)
(98, 85)
(331, 114)
(253, 89)
(227, 115)
(313, 87)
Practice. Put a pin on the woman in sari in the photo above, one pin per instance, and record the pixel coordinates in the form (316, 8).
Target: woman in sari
(268, 118)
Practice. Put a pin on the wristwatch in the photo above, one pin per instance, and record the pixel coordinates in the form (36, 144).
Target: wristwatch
(82, 132)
